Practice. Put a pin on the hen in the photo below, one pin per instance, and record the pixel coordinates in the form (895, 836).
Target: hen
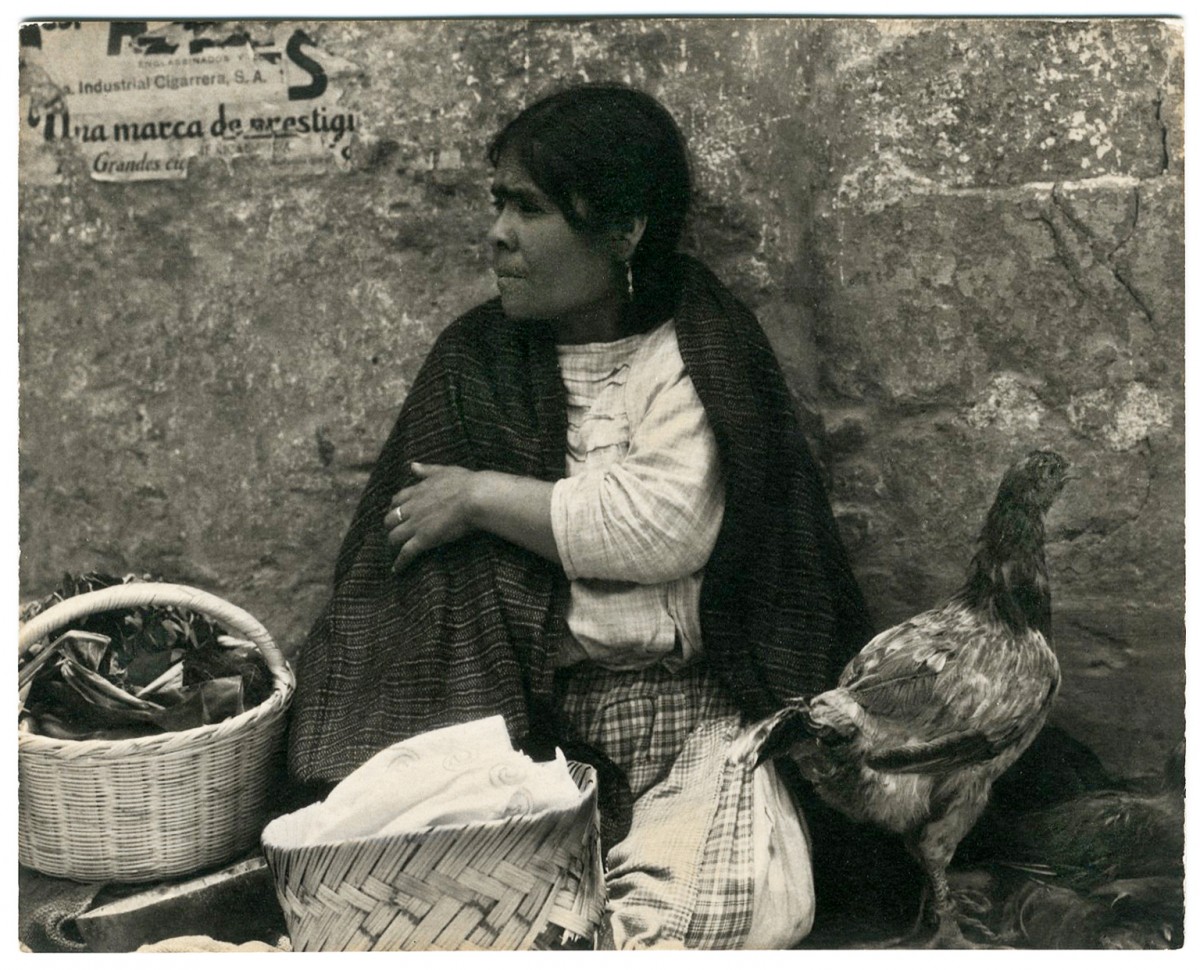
(934, 709)
(1116, 834)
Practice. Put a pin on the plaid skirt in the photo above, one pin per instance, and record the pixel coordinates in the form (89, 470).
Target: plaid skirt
(696, 870)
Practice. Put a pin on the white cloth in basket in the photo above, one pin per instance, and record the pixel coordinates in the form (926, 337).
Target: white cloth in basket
(460, 774)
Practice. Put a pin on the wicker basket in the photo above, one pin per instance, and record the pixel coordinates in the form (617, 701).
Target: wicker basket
(148, 808)
(521, 883)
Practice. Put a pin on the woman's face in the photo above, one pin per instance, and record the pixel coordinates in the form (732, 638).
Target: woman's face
(545, 269)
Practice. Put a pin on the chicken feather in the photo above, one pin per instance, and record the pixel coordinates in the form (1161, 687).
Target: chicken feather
(934, 709)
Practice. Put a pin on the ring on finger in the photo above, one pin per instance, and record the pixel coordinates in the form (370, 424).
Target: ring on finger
(399, 515)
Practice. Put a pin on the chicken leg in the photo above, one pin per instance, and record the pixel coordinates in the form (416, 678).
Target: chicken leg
(934, 848)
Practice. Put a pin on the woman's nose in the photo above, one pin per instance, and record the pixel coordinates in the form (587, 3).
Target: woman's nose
(501, 234)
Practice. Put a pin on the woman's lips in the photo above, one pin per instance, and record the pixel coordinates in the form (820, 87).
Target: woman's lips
(506, 281)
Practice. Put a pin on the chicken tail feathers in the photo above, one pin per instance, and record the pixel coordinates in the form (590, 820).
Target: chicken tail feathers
(773, 735)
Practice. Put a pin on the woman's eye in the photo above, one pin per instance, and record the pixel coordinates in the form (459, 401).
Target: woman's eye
(525, 207)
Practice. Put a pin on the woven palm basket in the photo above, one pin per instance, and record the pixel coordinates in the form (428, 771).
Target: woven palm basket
(522, 883)
(144, 809)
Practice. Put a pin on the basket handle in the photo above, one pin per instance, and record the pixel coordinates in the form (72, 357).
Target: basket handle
(161, 594)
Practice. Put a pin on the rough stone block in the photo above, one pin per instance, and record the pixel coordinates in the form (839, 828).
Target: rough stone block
(1003, 102)
(236, 904)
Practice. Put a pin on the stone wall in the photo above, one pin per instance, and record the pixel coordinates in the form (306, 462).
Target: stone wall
(965, 240)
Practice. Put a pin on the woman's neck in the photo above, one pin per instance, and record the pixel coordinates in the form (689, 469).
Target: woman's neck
(601, 322)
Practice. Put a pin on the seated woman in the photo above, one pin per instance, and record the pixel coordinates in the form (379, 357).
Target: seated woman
(596, 516)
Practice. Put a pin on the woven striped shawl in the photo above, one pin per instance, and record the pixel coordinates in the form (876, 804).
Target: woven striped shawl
(469, 630)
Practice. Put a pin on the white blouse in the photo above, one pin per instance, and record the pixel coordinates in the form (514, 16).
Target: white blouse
(637, 516)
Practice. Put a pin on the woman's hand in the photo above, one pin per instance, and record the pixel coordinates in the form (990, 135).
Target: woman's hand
(448, 502)
(434, 511)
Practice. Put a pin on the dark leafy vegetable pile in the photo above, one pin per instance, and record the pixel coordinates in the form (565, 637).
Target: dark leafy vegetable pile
(135, 671)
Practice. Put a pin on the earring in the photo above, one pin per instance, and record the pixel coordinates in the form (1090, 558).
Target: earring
(629, 280)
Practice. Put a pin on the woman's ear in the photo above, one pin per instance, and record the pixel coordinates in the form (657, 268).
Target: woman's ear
(625, 238)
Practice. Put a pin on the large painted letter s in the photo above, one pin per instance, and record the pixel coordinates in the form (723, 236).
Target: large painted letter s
(316, 87)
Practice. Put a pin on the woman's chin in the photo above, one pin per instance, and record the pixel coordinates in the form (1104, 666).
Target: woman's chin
(516, 309)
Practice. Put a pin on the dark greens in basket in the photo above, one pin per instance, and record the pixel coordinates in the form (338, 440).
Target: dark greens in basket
(163, 668)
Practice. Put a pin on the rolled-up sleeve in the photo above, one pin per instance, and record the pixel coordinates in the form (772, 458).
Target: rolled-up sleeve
(653, 515)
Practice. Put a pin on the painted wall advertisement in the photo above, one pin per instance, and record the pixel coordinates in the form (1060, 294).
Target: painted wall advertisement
(137, 100)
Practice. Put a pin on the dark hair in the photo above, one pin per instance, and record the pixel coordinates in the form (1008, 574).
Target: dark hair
(604, 154)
